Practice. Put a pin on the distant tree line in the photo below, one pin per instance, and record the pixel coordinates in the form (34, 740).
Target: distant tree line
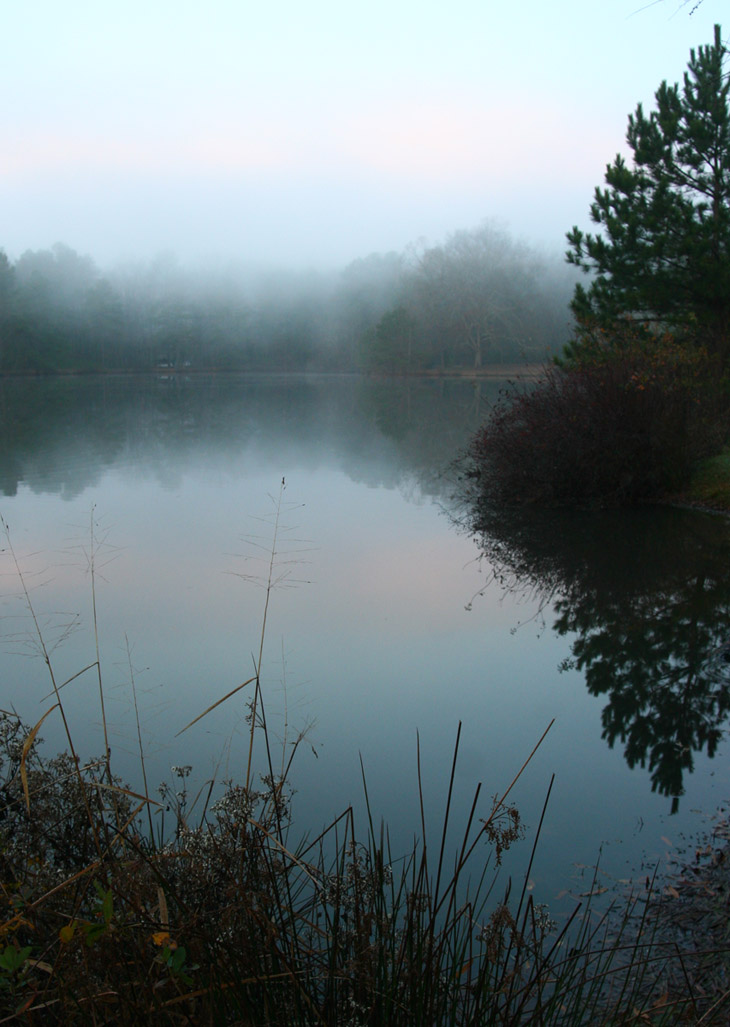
(479, 297)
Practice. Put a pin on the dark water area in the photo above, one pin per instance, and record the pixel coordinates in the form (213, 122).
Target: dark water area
(399, 611)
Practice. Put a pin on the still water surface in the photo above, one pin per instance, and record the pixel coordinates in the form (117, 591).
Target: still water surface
(390, 621)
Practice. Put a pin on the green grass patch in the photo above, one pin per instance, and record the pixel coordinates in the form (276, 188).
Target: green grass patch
(710, 484)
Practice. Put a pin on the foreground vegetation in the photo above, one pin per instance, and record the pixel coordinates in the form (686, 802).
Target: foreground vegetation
(136, 907)
(224, 920)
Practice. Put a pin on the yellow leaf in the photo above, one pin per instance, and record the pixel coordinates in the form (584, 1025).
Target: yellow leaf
(66, 933)
(161, 938)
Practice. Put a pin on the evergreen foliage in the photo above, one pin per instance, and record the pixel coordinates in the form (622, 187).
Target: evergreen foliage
(662, 256)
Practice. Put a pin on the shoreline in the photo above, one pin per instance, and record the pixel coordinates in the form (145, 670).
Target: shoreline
(490, 371)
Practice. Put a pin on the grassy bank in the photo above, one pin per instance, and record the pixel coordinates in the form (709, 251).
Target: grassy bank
(709, 486)
(155, 905)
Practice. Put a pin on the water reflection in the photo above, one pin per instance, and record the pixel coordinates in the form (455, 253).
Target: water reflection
(646, 593)
(378, 646)
(59, 435)
(642, 596)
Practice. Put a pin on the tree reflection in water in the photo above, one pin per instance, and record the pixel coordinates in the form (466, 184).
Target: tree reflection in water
(646, 593)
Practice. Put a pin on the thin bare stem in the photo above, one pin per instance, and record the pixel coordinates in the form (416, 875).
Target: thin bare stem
(139, 732)
(39, 634)
(269, 586)
(49, 665)
(92, 572)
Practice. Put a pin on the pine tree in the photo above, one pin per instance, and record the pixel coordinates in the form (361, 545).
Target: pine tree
(662, 257)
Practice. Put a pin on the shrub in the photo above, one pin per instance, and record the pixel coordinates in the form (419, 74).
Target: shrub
(624, 425)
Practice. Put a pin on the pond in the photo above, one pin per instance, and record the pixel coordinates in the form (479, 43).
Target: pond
(396, 613)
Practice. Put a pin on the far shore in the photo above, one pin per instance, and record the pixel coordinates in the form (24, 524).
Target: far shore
(485, 371)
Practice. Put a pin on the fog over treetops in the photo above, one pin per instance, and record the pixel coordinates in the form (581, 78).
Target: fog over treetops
(237, 137)
(479, 297)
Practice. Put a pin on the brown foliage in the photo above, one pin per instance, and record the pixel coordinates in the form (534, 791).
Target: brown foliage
(625, 425)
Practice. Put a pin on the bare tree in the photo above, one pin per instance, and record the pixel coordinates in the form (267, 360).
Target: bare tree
(475, 288)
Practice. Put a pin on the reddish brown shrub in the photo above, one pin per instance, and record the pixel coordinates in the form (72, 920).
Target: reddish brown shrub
(623, 427)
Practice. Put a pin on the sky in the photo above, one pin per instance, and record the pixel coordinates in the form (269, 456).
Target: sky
(308, 134)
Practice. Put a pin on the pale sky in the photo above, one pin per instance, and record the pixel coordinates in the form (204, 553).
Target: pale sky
(312, 133)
